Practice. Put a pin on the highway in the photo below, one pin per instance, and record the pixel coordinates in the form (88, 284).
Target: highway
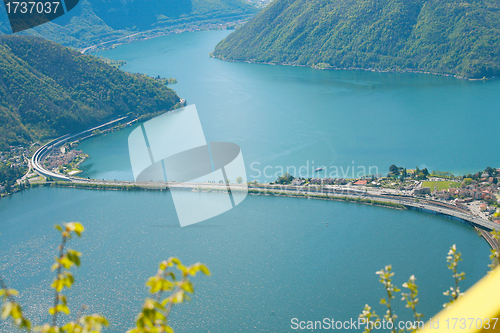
(37, 158)
(438, 208)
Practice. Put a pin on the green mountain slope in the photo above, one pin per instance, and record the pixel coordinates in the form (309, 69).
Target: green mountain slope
(460, 37)
(94, 21)
(48, 90)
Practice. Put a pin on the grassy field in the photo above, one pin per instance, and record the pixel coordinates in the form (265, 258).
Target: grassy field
(444, 185)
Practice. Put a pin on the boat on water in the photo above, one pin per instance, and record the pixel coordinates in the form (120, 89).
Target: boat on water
(318, 169)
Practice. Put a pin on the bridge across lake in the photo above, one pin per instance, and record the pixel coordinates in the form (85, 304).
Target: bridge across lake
(435, 207)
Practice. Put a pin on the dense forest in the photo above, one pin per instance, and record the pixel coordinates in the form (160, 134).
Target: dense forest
(459, 37)
(48, 90)
(93, 21)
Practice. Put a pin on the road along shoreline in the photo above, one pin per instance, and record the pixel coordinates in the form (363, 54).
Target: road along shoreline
(338, 193)
(482, 226)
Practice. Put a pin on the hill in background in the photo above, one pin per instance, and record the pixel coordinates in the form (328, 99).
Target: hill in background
(48, 90)
(94, 21)
(459, 37)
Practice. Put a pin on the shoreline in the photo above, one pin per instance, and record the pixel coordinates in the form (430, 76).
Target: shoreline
(402, 71)
(343, 198)
(194, 27)
(202, 25)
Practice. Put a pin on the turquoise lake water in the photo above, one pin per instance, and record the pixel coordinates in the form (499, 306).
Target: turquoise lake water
(283, 116)
(272, 259)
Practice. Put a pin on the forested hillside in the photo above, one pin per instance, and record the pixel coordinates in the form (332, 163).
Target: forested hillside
(48, 90)
(94, 21)
(460, 37)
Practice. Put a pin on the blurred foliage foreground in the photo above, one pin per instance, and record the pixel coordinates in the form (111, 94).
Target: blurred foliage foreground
(373, 321)
(170, 285)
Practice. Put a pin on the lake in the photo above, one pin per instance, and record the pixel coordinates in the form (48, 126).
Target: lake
(283, 116)
(273, 259)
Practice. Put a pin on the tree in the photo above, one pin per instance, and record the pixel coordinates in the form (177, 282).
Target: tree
(286, 178)
(155, 311)
(239, 180)
(385, 275)
(453, 258)
(393, 169)
(468, 181)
